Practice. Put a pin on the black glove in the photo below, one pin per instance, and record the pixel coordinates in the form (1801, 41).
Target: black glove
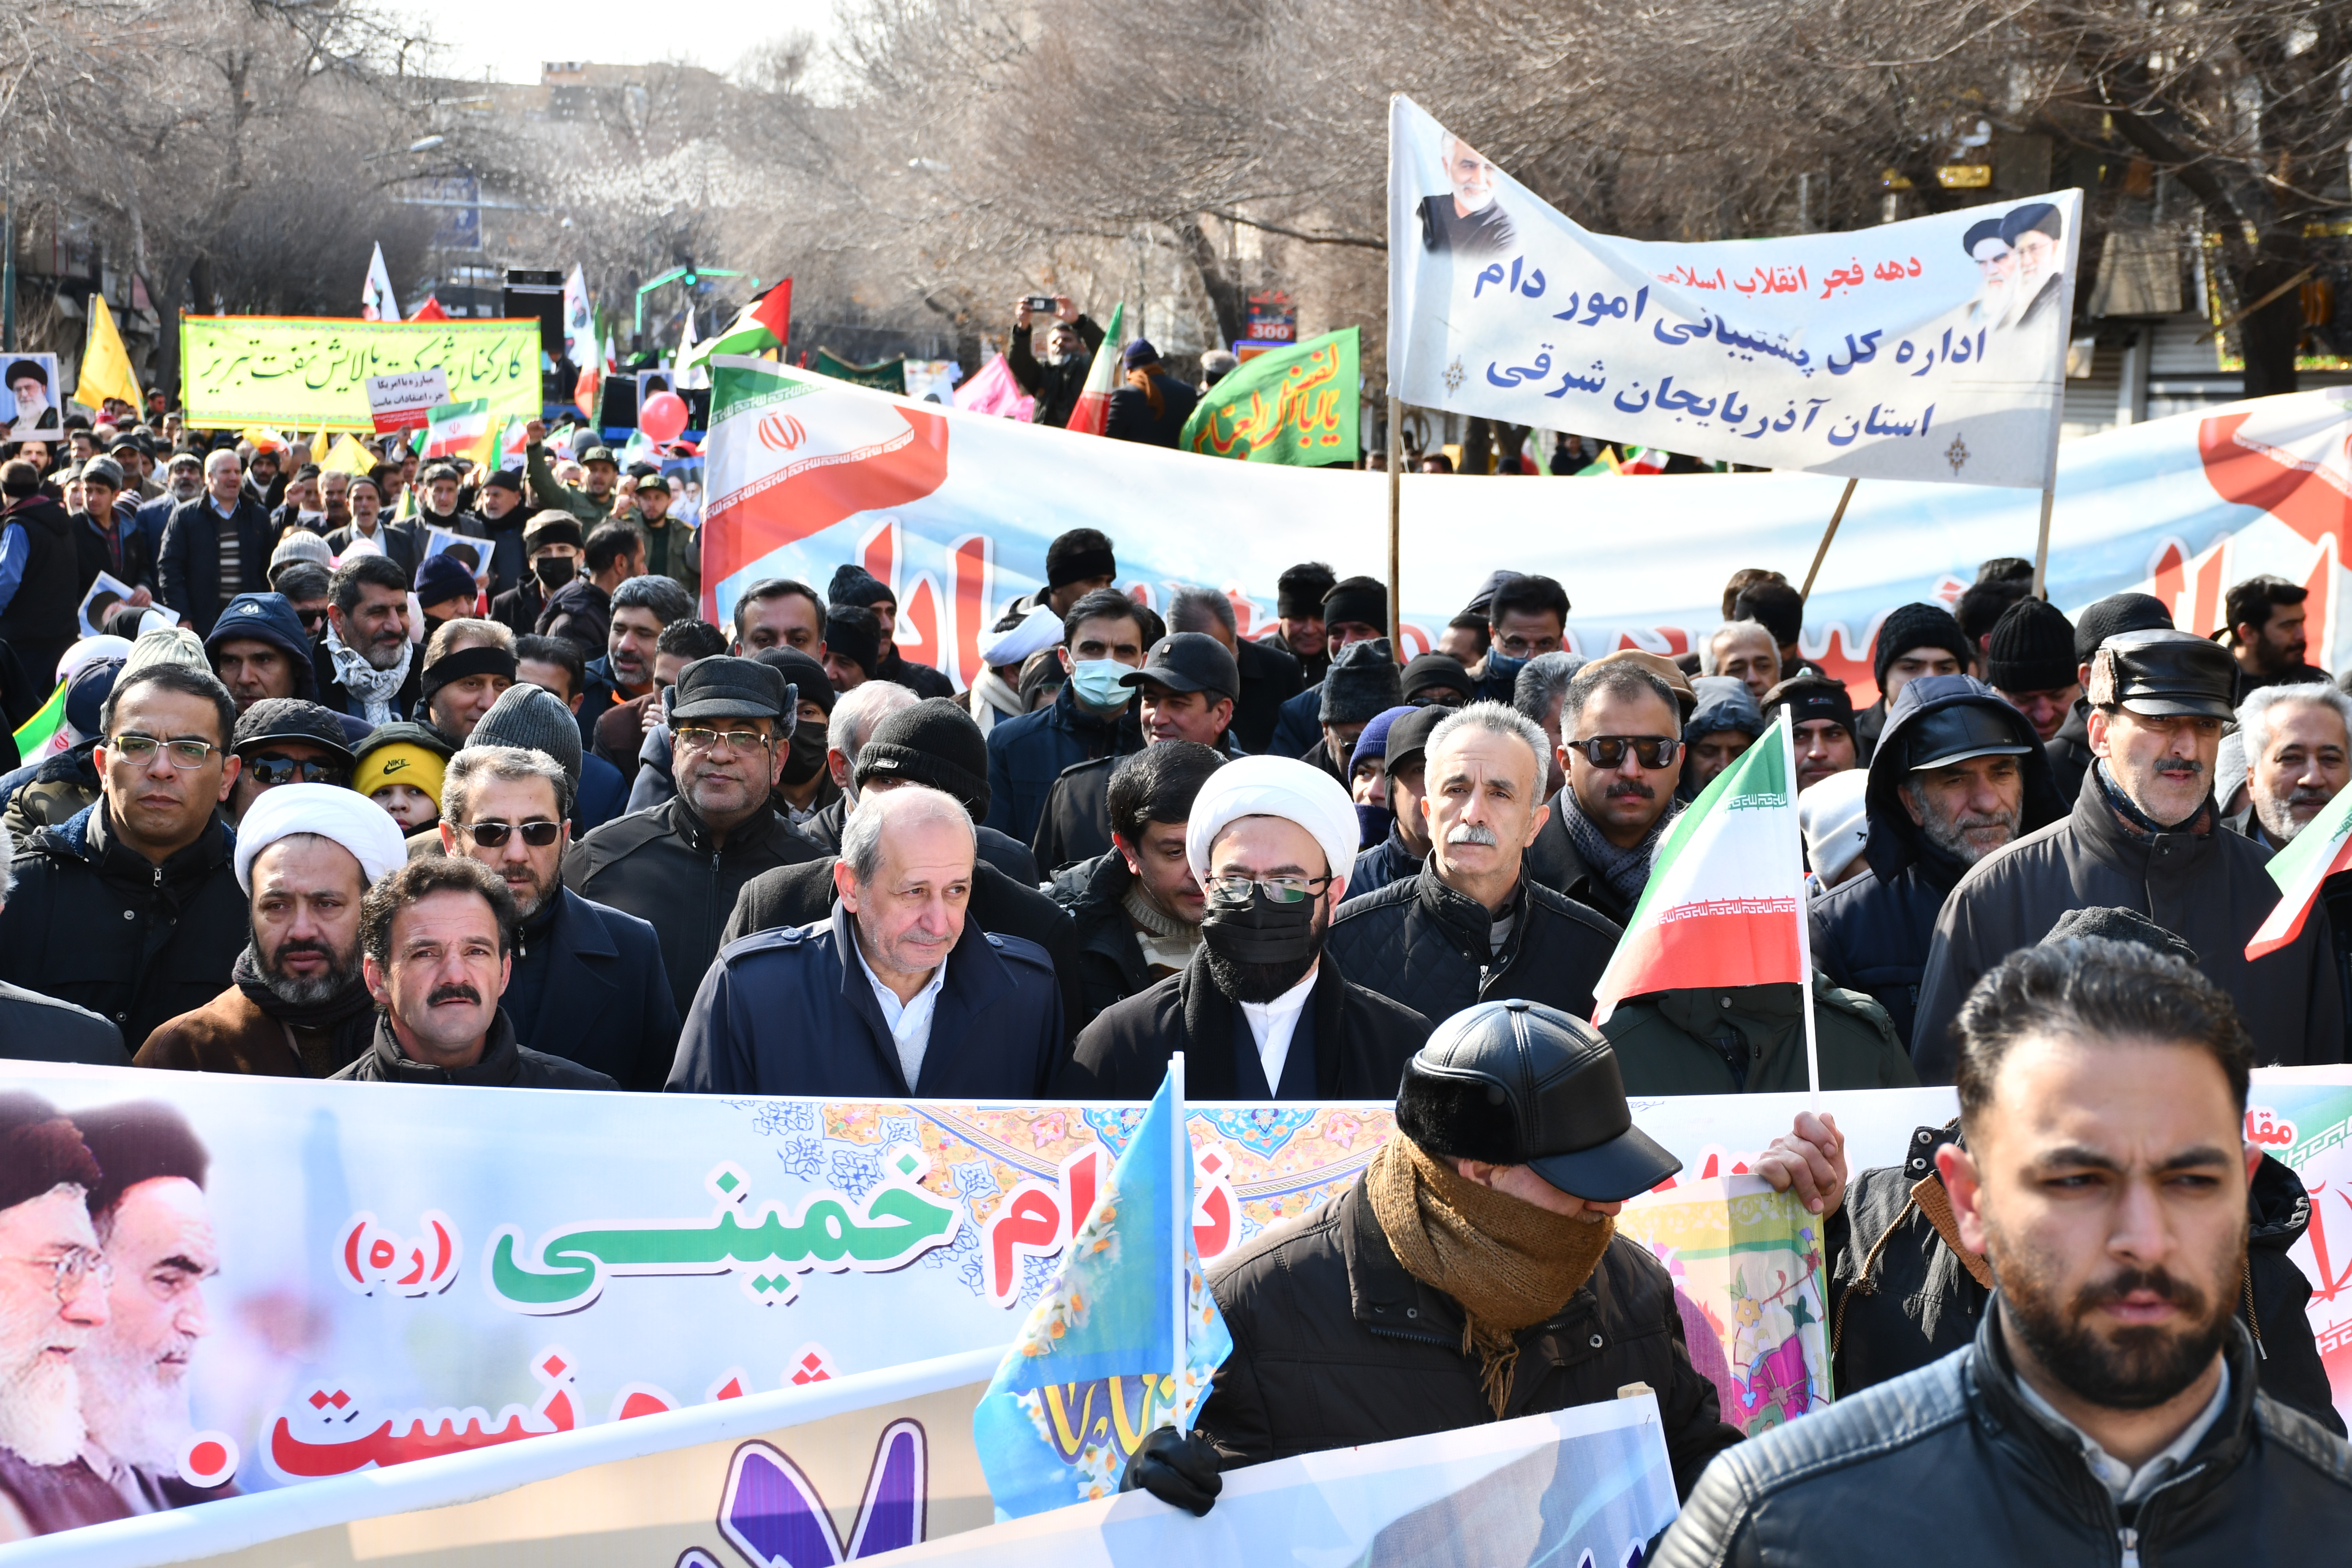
(1179, 1467)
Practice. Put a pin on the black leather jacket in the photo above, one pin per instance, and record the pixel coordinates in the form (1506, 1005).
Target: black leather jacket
(1421, 942)
(1951, 1465)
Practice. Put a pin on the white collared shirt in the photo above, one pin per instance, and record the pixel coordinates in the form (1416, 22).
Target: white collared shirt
(2125, 1484)
(909, 1022)
(1272, 1023)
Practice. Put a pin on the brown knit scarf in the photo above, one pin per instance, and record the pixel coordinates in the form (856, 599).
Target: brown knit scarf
(1508, 1263)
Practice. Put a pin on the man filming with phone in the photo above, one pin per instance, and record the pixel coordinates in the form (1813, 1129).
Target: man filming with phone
(1056, 380)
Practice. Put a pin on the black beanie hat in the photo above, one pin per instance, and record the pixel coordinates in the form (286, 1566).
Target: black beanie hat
(857, 585)
(1363, 599)
(803, 672)
(934, 743)
(1917, 625)
(2031, 648)
(1362, 684)
(852, 631)
(1078, 555)
(2114, 614)
(1298, 591)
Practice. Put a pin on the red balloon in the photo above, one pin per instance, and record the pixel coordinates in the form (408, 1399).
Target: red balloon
(663, 416)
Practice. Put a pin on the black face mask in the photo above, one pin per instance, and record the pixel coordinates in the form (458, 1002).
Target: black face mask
(1259, 950)
(553, 571)
(807, 755)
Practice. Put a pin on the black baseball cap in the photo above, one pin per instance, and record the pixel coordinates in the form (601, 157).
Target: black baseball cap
(1409, 736)
(1189, 661)
(1517, 1083)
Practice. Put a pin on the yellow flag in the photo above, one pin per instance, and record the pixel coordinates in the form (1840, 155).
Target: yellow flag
(105, 368)
(349, 456)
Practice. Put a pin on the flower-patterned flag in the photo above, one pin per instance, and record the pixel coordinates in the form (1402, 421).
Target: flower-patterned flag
(1098, 1363)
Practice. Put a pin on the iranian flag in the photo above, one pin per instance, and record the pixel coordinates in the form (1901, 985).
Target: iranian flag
(1092, 415)
(2317, 853)
(1642, 461)
(459, 430)
(1726, 904)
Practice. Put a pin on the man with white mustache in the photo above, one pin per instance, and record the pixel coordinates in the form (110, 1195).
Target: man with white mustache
(53, 1298)
(1467, 218)
(1472, 926)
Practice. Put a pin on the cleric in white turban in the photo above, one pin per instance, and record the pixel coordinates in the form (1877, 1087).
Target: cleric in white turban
(337, 814)
(1262, 1012)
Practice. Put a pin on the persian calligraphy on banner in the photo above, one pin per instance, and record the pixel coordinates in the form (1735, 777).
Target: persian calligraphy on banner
(313, 371)
(1932, 349)
(1295, 405)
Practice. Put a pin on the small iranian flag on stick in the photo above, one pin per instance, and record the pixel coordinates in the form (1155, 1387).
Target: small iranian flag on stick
(458, 430)
(1726, 902)
(2317, 853)
(1092, 415)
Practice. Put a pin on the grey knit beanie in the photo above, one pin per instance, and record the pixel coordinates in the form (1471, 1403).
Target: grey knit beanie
(536, 719)
(1362, 683)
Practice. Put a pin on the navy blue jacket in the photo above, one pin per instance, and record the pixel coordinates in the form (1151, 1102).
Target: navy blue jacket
(604, 795)
(790, 1012)
(1385, 862)
(603, 1000)
(1298, 724)
(1026, 755)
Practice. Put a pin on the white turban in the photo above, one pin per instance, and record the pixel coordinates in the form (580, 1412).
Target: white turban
(1040, 630)
(1831, 817)
(341, 816)
(1273, 786)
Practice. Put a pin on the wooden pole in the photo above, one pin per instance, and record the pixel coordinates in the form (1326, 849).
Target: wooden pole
(1396, 498)
(2042, 543)
(1822, 553)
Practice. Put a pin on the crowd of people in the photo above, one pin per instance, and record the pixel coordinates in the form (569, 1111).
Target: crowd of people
(433, 775)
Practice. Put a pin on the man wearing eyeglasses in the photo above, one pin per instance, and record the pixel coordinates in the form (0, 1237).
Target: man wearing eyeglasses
(1620, 726)
(130, 908)
(588, 983)
(1262, 1011)
(283, 741)
(681, 863)
(53, 1297)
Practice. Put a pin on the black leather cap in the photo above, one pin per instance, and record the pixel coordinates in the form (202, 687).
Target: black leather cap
(2163, 675)
(1959, 731)
(1517, 1083)
(1189, 661)
(726, 686)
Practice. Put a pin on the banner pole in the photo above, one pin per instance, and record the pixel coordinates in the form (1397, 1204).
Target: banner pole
(1396, 496)
(2058, 409)
(1804, 925)
(2041, 541)
(1181, 1190)
(1822, 553)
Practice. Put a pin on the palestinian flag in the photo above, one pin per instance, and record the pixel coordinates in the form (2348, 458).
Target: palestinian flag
(2317, 853)
(460, 430)
(762, 324)
(1295, 405)
(1092, 416)
(1726, 904)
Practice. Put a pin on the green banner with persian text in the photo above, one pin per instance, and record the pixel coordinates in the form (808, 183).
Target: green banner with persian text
(882, 375)
(1294, 405)
(302, 372)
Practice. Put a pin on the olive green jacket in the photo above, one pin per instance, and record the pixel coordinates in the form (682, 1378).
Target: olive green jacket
(1666, 1042)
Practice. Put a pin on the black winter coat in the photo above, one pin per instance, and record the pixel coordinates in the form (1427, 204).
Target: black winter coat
(1270, 678)
(1026, 755)
(1421, 942)
(1109, 965)
(1133, 419)
(1750, 1039)
(662, 866)
(2209, 890)
(1075, 826)
(1336, 1345)
(1920, 1302)
(1361, 1041)
(2069, 751)
(504, 1065)
(187, 568)
(1951, 1466)
(583, 611)
(919, 679)
(37, 1028)
(42, 610)
(1385, 862)
(792, 1011)
(2335, 894)
(92, 922)
(603, 1000)
(402, 541)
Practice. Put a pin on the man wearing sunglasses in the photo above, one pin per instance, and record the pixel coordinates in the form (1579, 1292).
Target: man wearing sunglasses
(587, 982)
(1262, 1011)
(1620, 725)
(283, 741)
(130, 908)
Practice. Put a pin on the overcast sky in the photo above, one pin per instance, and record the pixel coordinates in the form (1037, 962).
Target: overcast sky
(511, 40)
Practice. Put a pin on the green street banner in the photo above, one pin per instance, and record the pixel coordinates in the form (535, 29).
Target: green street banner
(1295, 405)
(883, 375)
(313, 371)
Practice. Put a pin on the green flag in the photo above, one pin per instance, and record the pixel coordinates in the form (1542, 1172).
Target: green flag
(1295, 405)
(36, 732)
(883, 375)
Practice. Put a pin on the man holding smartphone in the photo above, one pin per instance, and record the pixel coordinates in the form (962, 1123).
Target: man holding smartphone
(1057, 379)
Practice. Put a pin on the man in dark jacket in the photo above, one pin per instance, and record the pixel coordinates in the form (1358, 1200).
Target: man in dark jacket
(1102, 640)
(1621, 727)
(1136, 909)
(1913, 640)
(1353, 610)
(2070, 749)
(1470, 1275)
(1750, 1039)
(900, 994)
(1526, 617)
(1269, 675)
(856, 586)
(1056, 381)
(2144, 835)
(259, 650)
(1152, 406)
(587, 983)
(1262, 1011)
(2110, 1406)
(2298, 743)
(1470, 926)
(1404, 774)
(1959, 775)
(582, 608)
(37, 613)
(1183, 692)
(215, 547)
(366, 667)
(440, 937)
(680, 865)
(106, 531)
(551, 543)
(131, 908)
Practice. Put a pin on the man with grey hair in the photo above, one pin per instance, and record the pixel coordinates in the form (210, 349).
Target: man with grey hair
(1471, 927)
(898, 994)
(2298, 748)
(1745, 651)
(42, 1028)
(1541, 687)
(588, 983)
(1270, 675)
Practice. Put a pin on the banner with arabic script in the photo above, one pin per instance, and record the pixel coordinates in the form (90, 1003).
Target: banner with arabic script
(1932, 349)
(1295, 405)
(313, 371)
